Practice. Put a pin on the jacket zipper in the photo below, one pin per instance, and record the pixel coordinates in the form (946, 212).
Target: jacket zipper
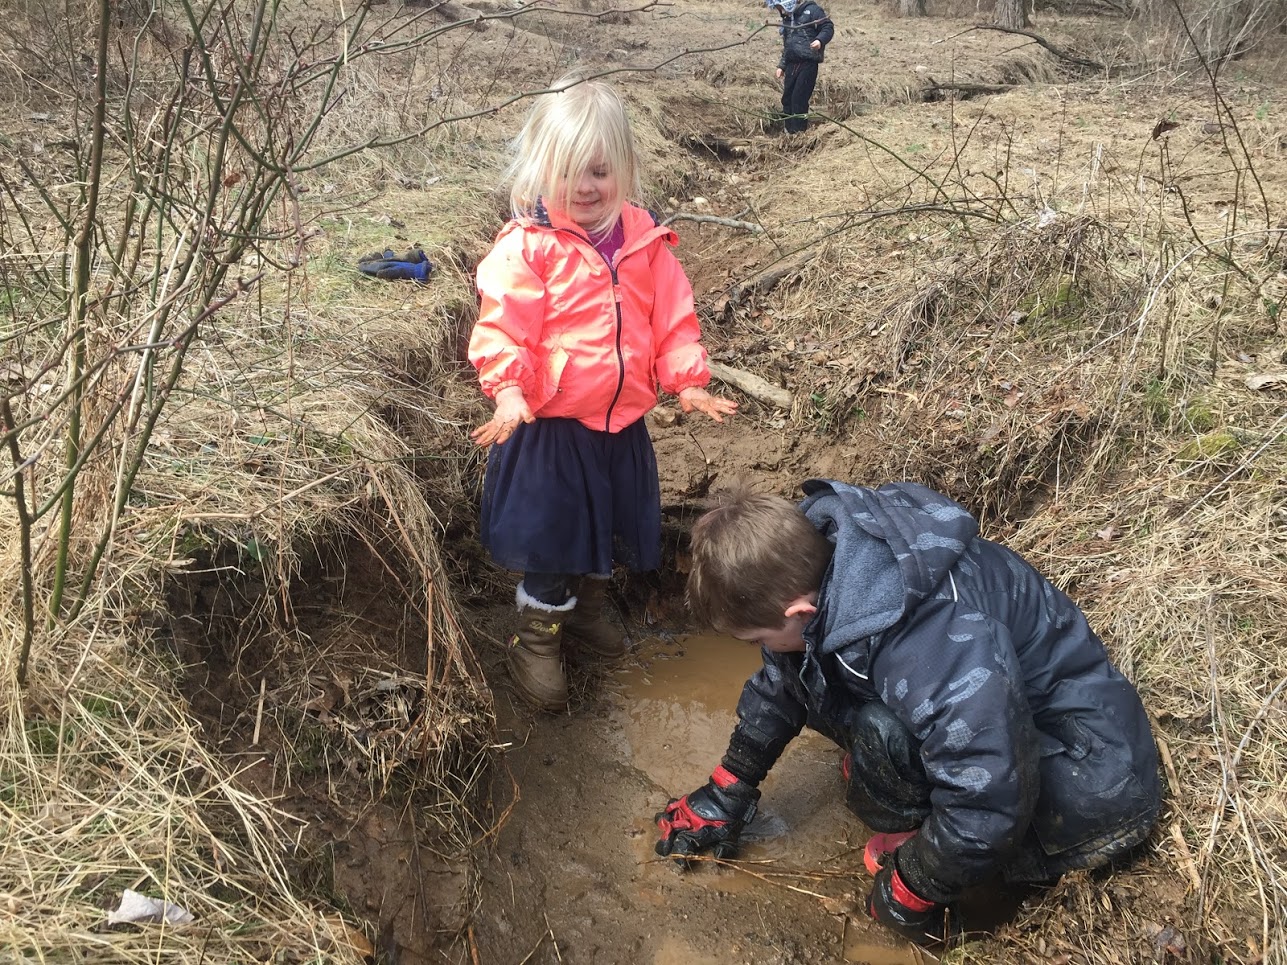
(616, 304)
(621, 360)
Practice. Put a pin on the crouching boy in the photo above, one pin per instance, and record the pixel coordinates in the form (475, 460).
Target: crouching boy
(985, 731)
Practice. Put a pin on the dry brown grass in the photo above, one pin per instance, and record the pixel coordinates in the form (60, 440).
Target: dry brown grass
(109, 786)
(1149, 488)
(1048, 383)
(1042, 372)
(112, 785)
(276, 443)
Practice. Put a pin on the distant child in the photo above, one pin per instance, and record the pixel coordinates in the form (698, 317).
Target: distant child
(806, 30)
(584, 313)
(986, 732)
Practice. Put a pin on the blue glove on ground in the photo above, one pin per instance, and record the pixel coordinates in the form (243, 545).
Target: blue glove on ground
(388, 265)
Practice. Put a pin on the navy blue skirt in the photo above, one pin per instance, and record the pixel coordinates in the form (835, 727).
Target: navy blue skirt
(561, 498)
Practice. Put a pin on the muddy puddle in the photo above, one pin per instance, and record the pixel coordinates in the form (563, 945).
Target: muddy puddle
(676, 709)
(574, 877)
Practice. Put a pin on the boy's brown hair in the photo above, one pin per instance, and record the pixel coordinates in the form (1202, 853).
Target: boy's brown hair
(753, 554)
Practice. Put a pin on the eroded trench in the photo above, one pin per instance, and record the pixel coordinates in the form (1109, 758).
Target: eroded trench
(536, 846)
(543, 852)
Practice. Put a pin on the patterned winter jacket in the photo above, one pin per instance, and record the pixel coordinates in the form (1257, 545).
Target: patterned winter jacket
(586, 339)
(800, 28)
(1025, 726)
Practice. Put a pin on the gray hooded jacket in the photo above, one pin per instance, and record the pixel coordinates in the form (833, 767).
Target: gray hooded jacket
(1025, 727)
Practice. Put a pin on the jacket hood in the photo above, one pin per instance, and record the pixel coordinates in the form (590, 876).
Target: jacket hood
(641, 225)
(894, 546)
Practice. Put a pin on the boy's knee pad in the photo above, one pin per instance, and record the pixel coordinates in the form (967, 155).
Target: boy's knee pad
(887, 787)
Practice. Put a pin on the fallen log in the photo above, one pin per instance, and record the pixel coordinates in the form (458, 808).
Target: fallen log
(456, 12)
(757, 388)
(1037, 38)
(937, 92)
(721, 147)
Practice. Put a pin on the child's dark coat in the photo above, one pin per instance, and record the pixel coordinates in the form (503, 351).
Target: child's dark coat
(800, 28)
(1031, 739)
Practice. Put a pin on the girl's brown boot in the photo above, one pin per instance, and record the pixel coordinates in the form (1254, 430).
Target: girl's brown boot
(535, 652)
(588, 629)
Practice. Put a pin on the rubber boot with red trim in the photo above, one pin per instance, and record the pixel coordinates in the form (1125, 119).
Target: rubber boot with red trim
(894, 904)
(881, 846)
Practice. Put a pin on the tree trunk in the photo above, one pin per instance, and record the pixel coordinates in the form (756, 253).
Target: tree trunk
(1012, 14)
(911, 8)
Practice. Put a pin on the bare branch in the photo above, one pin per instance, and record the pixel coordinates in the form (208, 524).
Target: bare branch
(1057, 51)
(713, 219)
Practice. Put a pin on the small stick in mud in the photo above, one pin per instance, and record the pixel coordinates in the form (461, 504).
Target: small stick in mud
(259, 712)
(550, 928)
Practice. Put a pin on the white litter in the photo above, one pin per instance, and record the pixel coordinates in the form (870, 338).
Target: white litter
(140, 909)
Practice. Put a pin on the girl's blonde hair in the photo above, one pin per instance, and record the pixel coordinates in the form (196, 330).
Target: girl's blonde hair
(579, 122)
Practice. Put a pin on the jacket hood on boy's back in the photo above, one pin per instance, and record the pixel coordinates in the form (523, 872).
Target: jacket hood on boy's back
(894, 546)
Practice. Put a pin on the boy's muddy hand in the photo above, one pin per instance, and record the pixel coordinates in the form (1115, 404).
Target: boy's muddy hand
(511, 409)
(713, 405)
(708, 819)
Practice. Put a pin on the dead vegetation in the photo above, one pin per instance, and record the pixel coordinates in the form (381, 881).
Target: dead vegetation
(1062, 335)
(1046, 378)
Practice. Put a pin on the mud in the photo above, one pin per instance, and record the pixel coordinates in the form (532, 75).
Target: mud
(293, 712)
(574, 878)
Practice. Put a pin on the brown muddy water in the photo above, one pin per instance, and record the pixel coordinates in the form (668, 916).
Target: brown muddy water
(574, 878)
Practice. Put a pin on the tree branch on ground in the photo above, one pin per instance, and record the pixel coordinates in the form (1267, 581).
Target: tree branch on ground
(1057, 51)
(713, 219)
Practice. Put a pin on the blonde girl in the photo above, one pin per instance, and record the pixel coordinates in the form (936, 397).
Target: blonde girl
(585, 312)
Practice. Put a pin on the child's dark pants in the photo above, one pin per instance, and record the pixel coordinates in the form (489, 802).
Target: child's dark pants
(552, 589)
(799, 78)
(887, 787)
(889, 791)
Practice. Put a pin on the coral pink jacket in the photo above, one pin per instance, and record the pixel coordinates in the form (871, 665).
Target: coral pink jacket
(584, 339)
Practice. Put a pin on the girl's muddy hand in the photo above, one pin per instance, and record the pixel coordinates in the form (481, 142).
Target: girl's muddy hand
(713, 405)
(511, 409)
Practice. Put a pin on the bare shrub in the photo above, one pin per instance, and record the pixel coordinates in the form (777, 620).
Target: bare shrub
(1215, 30)
(164, 391)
